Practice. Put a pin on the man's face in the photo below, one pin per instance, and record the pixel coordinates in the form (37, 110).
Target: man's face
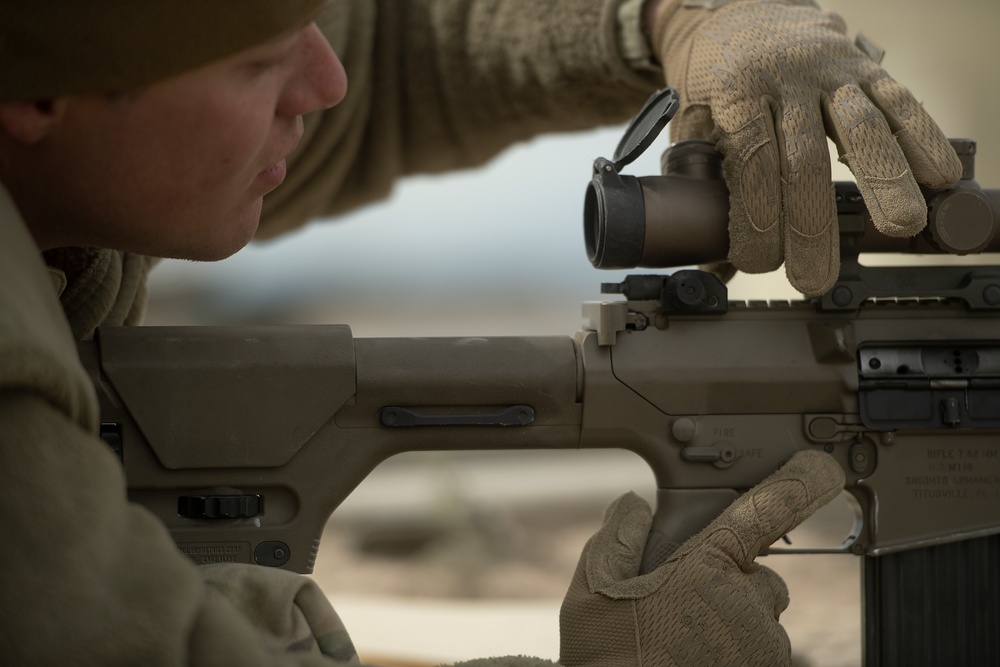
(179, 168)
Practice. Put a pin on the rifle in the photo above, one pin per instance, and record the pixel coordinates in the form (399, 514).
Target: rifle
(243, 440)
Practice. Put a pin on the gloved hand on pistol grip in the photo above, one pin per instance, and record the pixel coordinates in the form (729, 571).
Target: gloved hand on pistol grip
(710, 603)
(768, 80)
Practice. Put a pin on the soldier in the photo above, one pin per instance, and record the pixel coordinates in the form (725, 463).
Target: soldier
(130, 131)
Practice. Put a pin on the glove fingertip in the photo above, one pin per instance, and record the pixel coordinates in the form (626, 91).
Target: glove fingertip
(613, 554)
(820, 472)
(813, 265)
(755, 244)
(896, 205)
(820, 479)
(627, 505)
(934, 161)
(627, 522)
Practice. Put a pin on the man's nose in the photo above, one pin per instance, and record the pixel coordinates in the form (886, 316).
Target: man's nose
(320, 81)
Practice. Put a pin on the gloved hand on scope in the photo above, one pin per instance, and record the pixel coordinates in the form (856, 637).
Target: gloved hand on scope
(767, 80)
(710, 603)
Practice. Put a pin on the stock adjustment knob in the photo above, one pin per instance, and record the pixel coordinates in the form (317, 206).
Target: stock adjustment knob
(220, 506)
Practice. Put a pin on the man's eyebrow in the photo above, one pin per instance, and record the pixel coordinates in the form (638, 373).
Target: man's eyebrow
(305, 22)
(289, 35)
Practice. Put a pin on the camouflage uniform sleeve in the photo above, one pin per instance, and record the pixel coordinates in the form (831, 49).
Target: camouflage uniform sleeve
(91, 579)
(444, 84)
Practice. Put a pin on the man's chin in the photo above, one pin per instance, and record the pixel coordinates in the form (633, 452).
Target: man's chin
(204, 256)
(228, 240)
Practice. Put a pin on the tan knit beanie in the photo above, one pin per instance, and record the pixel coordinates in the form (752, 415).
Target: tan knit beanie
(54, 47)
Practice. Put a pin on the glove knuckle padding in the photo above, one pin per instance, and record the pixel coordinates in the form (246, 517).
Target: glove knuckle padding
(766, 579)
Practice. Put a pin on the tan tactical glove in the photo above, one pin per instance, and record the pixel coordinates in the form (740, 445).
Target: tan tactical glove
(767, 80)
(709, 604)
(290, 611)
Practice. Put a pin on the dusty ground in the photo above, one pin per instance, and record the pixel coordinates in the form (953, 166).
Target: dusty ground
(447, 557)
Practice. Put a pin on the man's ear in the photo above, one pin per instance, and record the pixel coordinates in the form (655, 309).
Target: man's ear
(30, 122)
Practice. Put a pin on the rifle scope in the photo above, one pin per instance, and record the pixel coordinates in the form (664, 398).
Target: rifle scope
(681, 218)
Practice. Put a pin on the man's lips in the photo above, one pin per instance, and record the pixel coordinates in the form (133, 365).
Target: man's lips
(273, 176)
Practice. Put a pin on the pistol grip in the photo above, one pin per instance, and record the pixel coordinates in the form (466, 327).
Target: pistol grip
(680, 514)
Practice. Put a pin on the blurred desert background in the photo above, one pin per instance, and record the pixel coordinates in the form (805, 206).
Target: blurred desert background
(447, 556)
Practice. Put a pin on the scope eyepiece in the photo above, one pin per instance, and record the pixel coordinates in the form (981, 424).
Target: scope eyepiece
(613, 218)
(677, 219)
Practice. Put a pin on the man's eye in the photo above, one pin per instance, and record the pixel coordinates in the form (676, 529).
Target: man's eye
(267, 65)
(270, 62)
